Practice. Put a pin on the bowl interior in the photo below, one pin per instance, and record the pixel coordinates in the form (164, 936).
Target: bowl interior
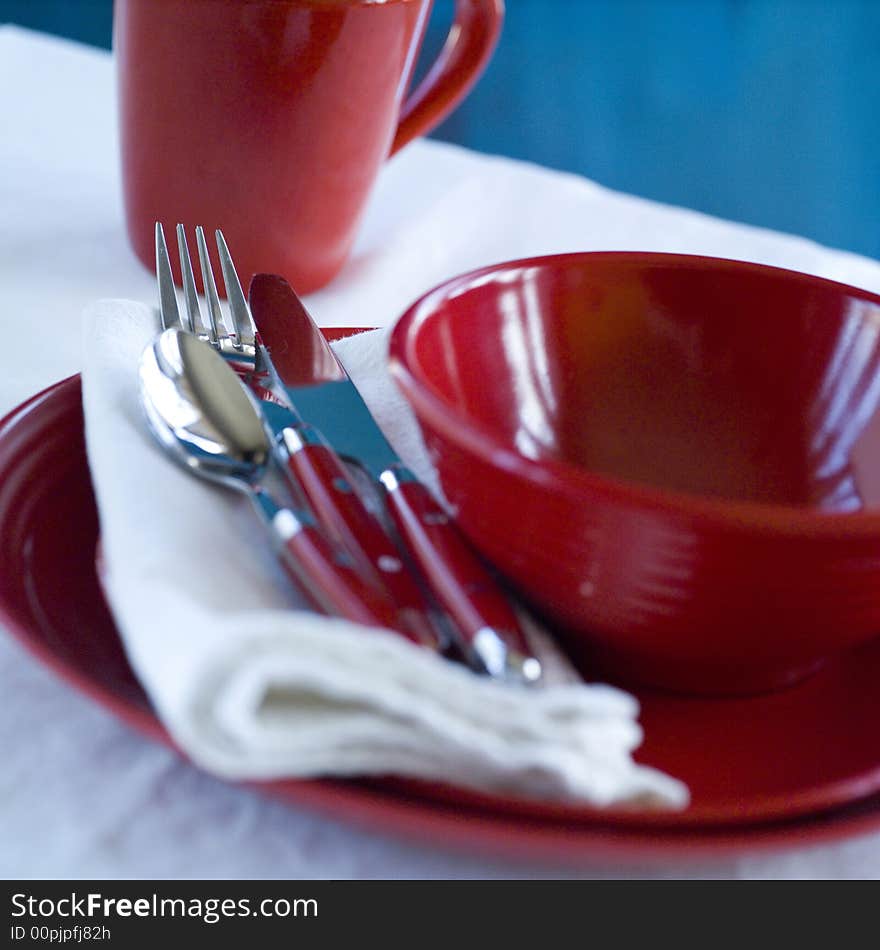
(716, 378)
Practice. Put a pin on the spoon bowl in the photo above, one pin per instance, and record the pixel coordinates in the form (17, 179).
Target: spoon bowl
(200, 413)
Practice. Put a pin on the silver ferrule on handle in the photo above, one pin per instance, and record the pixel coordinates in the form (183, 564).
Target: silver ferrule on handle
(297, 438)
(285, 523)
(501, 662)
(396, 475)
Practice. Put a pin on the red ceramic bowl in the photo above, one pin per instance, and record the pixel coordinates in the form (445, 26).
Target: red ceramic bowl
(676, 459)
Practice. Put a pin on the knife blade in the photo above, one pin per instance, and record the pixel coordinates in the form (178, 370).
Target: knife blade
(321, 392)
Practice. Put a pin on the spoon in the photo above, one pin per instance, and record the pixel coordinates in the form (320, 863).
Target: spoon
(207, 422)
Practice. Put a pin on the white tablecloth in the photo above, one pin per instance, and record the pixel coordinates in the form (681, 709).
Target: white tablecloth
(80, 794)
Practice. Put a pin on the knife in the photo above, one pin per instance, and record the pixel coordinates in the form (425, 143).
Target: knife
(488, 632)
(317, 470)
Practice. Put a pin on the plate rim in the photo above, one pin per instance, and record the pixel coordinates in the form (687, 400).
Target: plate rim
(430, 818)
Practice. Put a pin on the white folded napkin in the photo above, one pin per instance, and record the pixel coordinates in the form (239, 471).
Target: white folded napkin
(254, 685)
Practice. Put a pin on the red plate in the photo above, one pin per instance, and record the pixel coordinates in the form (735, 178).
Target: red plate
(787, 769)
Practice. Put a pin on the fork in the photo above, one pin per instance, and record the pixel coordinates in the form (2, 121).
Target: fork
(313, 469)
(238, 340)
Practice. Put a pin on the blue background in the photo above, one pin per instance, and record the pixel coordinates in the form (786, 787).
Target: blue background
(765, 111)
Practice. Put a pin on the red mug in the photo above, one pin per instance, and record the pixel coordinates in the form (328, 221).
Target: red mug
(270, 119)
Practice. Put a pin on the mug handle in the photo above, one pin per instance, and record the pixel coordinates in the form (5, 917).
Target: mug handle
(464, 56)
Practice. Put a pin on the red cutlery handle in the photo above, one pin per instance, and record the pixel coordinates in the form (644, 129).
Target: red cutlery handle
(492, 636)
(326, 483)
(325, 576)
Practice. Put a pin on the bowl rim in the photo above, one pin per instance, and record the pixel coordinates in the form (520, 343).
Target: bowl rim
(757, 518)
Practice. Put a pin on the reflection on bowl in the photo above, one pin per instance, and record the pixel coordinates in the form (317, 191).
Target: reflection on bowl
(675, 458)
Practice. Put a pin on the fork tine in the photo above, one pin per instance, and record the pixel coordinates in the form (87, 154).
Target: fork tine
(221, 329)
(238, 306)
(193, 309)
(168, 311)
